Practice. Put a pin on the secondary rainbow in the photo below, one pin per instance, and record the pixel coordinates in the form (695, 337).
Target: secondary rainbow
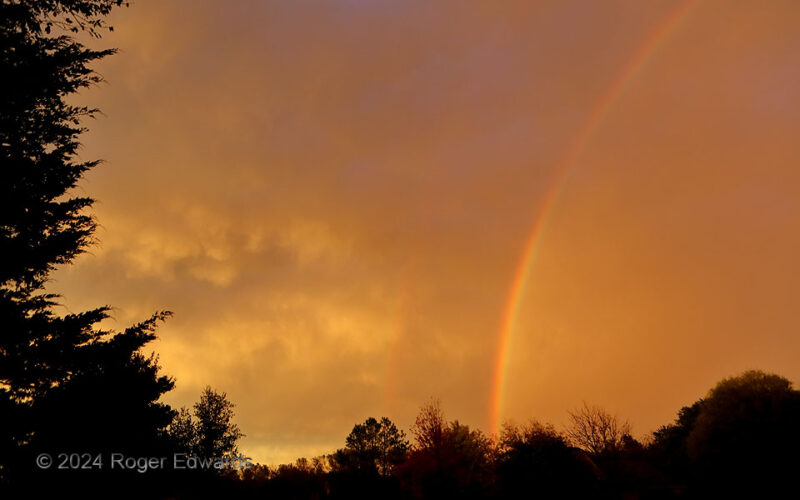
(519, 281)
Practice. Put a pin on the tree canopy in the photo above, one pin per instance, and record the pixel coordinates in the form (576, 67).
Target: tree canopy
(209, 431)
(65, 382)
(375, 446)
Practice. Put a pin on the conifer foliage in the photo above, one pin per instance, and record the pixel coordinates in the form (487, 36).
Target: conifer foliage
(65, 383)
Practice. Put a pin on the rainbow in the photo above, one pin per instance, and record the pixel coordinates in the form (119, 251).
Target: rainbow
(519, 281)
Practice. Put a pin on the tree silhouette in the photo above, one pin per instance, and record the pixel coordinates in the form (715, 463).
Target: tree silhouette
(595, 430)
(217, 435)
(64, 382)
(535, 461)
(429, 427)
(392, 446)
(746, 435)
(376, 446)
(210, 431)
(448, 460)
(669, 445)
(183, 431)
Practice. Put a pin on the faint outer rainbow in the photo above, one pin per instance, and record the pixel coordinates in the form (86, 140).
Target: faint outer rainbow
(511, 310)
(403, 311)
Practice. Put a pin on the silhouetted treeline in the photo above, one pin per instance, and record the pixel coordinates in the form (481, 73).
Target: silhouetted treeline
(738, 442)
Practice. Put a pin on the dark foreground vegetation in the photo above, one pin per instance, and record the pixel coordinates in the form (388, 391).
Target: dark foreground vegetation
(738, 442)
(81, 411)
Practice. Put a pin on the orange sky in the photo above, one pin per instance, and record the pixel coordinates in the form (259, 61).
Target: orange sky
(333, 197)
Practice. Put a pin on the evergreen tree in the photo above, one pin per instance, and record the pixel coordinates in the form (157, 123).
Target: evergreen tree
(65, 383)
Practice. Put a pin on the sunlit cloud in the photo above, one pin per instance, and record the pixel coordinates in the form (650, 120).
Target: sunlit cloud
(333, 199)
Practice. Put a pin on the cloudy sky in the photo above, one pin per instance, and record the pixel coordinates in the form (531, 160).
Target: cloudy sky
(334, 198)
